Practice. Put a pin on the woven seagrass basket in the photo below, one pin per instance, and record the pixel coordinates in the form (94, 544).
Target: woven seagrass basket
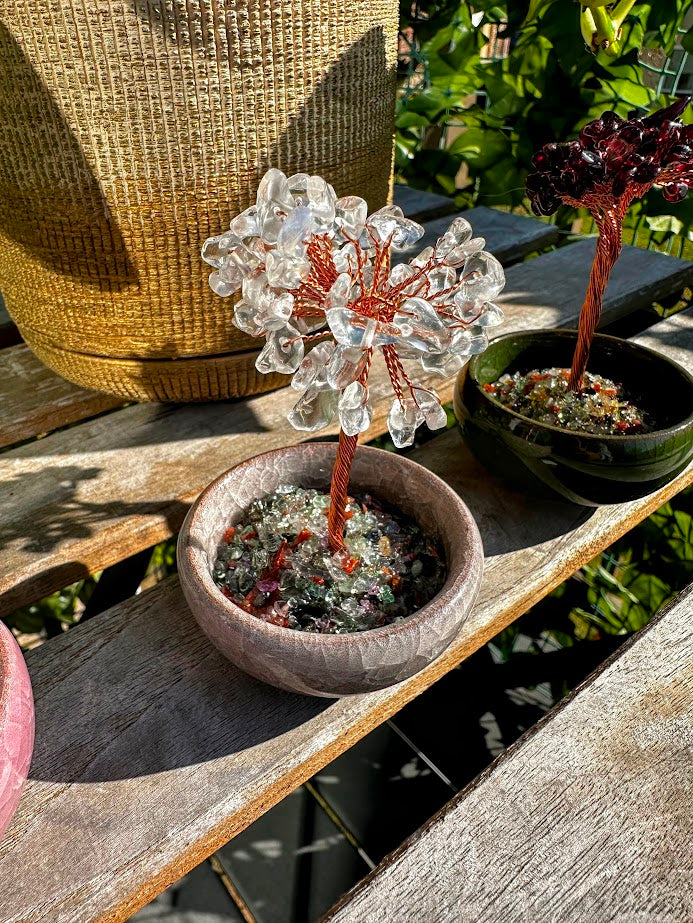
(131, 130)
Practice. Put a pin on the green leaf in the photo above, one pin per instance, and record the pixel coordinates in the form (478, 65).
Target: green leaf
(535, 7)
(687, 41)
(503, 183)
(480, 147)
(412, 120)
(667, 223)
(504, 92)
(650, 590)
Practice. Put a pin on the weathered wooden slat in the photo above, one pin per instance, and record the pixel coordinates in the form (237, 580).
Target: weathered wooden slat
(508, 236)
(34, 400)
(421, 205)
(586, 818)
(640, 277)
(152, 750)
(84, 498)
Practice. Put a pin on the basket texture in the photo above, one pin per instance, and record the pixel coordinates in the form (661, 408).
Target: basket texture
(131, 130)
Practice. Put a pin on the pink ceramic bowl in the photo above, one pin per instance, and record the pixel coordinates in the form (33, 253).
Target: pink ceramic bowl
(331, 665)
(16, 725)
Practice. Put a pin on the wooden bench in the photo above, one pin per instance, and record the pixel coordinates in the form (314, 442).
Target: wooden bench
(152, 750)
(586, 818)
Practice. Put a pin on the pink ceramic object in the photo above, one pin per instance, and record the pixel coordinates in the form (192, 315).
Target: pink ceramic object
(331, 665)
(16, 725)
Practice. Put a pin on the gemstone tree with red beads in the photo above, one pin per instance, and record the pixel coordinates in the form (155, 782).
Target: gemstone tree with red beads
(613, 162)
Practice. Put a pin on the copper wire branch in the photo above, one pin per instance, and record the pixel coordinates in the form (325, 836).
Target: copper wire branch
(609, 245)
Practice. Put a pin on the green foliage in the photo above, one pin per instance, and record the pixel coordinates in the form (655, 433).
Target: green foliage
(546, 89)
(620, 590)
(52, 615)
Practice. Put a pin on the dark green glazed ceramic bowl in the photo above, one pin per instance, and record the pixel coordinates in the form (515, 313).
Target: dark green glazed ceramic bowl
(585, 468)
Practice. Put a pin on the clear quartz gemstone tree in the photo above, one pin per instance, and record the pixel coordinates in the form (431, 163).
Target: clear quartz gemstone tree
(318, 283)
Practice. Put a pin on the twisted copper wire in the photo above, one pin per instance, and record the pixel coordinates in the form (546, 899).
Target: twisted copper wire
(391, 364)
(608, 212)
(609, 243)
(339, 486)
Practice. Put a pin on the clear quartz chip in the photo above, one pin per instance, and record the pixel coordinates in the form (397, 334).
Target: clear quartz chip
(274, 203)
(295, 232)
(443, 364)
(445, 244)
(345, 258)
(321, 200)
(350, 214)
(286, 271)
(421, 327)
(314, 410)
(402, 421)
(220, 287)
(243, 258)
(246, 224)
(283, 351)
(422, 258)
(245, 317)
(469, 342)
(312, 372)
(491, 316)
(278, 310)
(388, 223)
(431, 408)
(215, 249)
(355, 413)
(352, 329)
(298, 185)
(461, 230)
(441, 279)
(400, 273)
(273, 191)
(482, 278)
(338, 295)
(346, 365)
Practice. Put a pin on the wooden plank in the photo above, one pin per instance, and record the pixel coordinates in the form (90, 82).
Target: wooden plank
(84, 498)
(586, 818)
(34, 400)
(639, 278)
(508, 236)
(421, 205)
(152, 751)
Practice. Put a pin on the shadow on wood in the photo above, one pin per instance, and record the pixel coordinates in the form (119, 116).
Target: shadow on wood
(222, 710)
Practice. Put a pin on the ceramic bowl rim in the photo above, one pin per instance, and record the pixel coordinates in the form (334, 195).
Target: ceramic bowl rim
(450, 591)
(613, 438)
